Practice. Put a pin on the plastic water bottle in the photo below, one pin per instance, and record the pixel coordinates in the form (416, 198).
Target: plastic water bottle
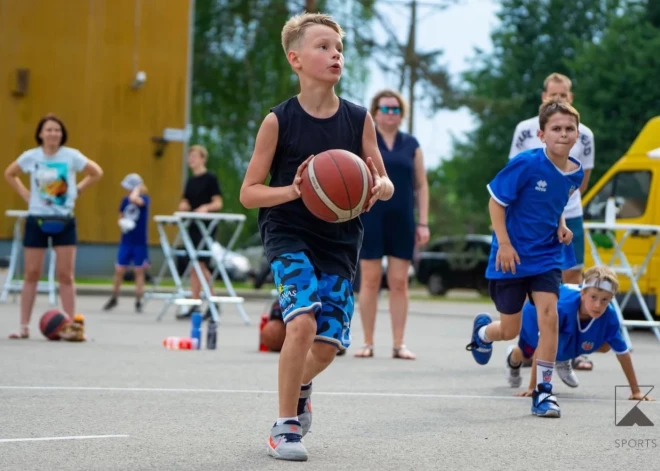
(610, 212)
(264, 321)
(211, 335)
(180, 343)
(196, 331)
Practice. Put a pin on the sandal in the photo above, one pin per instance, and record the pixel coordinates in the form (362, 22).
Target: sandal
(23, 333)
(403, 353)
(367, 351)
(582, 363)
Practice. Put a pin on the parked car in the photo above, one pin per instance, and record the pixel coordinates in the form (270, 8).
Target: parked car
(455, 262)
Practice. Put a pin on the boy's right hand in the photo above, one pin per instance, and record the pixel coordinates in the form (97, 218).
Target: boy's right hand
(298, 178)
(527, 393)
(507, 258)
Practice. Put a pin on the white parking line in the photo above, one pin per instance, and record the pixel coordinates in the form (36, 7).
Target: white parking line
(316, 393)
(45, 439)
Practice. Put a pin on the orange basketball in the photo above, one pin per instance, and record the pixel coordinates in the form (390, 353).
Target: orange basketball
(52, 322)
(336, 185)
(272, 335)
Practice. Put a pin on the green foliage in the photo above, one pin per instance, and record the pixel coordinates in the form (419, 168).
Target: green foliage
(605, 46)
(620, 75)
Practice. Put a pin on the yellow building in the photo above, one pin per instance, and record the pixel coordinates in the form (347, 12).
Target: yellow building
(117, 73)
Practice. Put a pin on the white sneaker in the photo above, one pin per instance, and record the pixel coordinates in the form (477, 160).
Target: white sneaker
(512, 374)
(566, 373)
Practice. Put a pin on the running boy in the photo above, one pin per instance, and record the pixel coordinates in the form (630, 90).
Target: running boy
(587, 324)
(313, 261)
(525, 137)
(528, 197)
(133, 220)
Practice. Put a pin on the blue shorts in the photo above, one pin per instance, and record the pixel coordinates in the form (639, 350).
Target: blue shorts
(387, 234)
(37, 232)
(302, 289)
(138, 254)
(576, 225)
(509, 295)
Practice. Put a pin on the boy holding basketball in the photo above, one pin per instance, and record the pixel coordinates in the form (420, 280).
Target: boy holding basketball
(527, 200)
(313, 261)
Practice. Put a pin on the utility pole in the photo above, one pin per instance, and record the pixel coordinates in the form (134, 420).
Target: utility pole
(411, 60)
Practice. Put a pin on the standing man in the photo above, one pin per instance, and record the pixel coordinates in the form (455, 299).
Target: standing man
(526, 137)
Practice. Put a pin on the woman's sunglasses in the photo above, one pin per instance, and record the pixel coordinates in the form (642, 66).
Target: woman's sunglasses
(387, 109)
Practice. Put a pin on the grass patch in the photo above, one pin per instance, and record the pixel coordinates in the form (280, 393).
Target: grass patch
(166, 283)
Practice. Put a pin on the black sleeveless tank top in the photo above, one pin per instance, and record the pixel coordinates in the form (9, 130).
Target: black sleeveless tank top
(333, 248)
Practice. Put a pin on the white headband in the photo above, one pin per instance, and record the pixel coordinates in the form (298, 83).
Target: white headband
(600, 284)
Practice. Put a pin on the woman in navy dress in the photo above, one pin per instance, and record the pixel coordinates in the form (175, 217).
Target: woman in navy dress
(390, 227)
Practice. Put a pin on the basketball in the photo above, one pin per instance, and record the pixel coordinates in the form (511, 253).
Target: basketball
(272, 335)
(336, 185)
(52, 322)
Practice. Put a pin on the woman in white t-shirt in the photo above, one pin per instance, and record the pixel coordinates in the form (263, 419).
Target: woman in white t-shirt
(51, 200)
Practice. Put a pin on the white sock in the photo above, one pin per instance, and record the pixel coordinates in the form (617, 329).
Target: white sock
(281, 420)
(482, 334)
(544, 371)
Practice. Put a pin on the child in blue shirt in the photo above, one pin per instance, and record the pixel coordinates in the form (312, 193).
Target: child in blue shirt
(133, 221)
(588, 323)
(528, 197)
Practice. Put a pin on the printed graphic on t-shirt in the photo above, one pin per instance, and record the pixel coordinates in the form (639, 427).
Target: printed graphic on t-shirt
(51, 179)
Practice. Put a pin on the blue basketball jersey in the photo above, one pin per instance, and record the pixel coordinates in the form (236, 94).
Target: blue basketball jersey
(139, 214)
(534, 192)
(575, 337)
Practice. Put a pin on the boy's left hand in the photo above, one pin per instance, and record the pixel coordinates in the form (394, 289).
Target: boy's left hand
(380, 189)
(638, 396)
(565, 234)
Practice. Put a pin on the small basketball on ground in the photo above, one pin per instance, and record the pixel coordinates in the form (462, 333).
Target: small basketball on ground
(336, 185)
(272, 335)
(52, 322)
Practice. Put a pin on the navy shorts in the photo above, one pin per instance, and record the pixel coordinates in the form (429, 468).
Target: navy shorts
(576, 225)
(387, 234)
(303, 289)
(183, 261)
(137, 254)
(509, 295)
(39, 229)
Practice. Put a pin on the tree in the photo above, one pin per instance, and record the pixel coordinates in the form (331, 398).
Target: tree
(620, 73)
(534, 38)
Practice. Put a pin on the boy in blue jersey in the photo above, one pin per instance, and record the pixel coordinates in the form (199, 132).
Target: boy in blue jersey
(588, 323)
(133, 220)
(313, 261)
(528, 197)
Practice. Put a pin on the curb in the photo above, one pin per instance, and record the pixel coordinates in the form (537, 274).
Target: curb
(105, 290)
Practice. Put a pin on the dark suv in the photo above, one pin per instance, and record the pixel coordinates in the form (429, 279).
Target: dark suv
(455, 262)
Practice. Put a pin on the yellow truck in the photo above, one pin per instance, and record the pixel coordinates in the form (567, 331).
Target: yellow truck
(634, 182)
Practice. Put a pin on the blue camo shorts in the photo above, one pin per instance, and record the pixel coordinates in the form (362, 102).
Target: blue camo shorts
(302, 289)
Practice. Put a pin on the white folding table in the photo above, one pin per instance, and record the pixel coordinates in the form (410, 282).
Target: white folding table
(619, 263)
(206, 223)
(14, 285)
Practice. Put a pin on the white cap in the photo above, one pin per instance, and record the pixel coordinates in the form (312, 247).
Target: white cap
(131, 180)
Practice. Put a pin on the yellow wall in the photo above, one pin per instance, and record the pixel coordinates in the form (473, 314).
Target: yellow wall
(82, 56)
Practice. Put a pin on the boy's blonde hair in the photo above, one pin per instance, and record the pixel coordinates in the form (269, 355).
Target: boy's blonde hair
(387, 93)
(201, 149)
(596, 275)
(559, 78)
(294, 29)
(554, 106)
